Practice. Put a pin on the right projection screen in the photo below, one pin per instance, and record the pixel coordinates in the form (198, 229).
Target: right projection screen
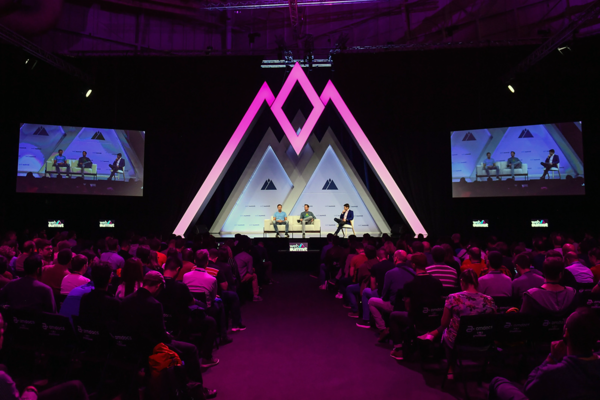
(530, 160)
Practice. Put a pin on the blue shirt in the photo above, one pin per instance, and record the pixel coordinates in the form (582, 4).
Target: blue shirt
(489, 162)
(71, 304)
(280, 216)
(60, 159)
(394, 280)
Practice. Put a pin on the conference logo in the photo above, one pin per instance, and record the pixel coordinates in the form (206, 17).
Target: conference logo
(268, 185)
(525, 134)
(330, 185)
(468, 137)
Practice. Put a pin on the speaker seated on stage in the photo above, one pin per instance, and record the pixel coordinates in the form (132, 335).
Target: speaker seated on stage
(551, 162)
(84, 162)
(116, 166)
(61, 161)
(306, 217)
(280, 218)
(345, 218)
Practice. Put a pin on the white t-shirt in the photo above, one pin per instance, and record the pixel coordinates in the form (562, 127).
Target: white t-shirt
(72, 281)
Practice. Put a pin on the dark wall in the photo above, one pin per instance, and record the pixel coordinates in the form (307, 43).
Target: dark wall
(406, 103)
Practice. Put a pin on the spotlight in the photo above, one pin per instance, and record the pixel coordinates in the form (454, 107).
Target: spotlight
(564, 50)
(511, 88)
(88, 93)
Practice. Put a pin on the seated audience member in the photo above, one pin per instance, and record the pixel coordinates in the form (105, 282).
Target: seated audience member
(331, 265)
(144, 254)
(161, 258)
(474, 262)
(124, 251)
(581, 273)
(27, 292)
(227, 290)
(424, 289)
(98, 305)
(111, 257)
(176, 300)
(132, 276)
(393, 283)
(200, 281)
(467, 302)
(567, 277)
(376, 280)
(527, 279)
(451, 260)
(427, 252)
(445, 273)
(538, 256)
(495, 282)
(142, 314)
(552, 298)
(571, 370)
(79, 265)
(28, 250)
(53, 275)
(363, 278)
(594, 256)
(3, 268)
(187, 258)
(72, 390)
(245, 268)
(507, 260)
(8, 253)
(46, 251)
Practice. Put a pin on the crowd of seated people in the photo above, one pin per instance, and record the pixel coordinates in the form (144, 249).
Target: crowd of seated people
(182, 297)
(392, 281)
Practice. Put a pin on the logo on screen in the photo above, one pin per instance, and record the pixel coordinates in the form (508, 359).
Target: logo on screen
(525, 134)
(539, 223)
(330, 185)
(299, 246)
(268, 185)
(107, 224)
(468, 137)
(56, 224)
(481, 223)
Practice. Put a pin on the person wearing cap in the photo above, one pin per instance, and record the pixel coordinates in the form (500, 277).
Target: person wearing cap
(142, 314)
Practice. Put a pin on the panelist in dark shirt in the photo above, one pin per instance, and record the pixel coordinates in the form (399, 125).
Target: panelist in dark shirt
(84, 162)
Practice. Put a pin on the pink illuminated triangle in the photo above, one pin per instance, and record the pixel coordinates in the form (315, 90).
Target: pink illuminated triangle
(330, 93)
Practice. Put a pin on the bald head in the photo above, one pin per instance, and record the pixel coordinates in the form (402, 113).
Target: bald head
(571, 258)
(475, 254)
(567, 247)
(426, 247)
(400, 257)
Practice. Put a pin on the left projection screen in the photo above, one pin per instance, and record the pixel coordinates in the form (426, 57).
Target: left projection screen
(64, 159)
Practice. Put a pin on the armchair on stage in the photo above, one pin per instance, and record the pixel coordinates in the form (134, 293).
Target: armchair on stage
(295, 226)
(75, 170)
(503, 170)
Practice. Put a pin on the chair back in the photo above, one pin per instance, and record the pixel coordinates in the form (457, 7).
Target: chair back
(504, 303)
(428, 317)
(23, 326)
(585, 287)
(592, 300)
(125, 345)
(548, 328)
(513, 327)
(200, 296)
(92, 337)
(476, 330)
(448, 290)
(57, 332)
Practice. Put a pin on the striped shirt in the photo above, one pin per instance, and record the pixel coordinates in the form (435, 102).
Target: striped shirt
(447, 275)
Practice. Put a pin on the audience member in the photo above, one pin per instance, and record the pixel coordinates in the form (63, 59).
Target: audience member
(28, 250)
(200, 281)
(474, 262)
(363, 278)
(332, 264)
(3, 269)
(124, 250)
(52, 275)
(79, 266)
(393, 283)
(227, 290)
(161, 258)
(187, 259)
(27, 292)
(378, 272)
(132, 276)
(97, 305)
(527, 279)
(571, 370)
(581, 273)
(552, 298)
(495, 283)
(245, 268)
(46, 251)
(438, 269)
(594, 256)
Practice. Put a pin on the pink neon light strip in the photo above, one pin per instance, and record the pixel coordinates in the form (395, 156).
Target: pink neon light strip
(331, 93)
(220, 167)
(297, 75)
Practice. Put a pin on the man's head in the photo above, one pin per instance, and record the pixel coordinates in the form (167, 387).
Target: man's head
(346, 207)
(201, 258)
(475, 254)
(582, 331)
(382, 254)
(213, 255)
(112, 244)
(418, 247)
(594, 255)
(553, 253)
(32, 266)
(439, 254)
(551, 151)
(64, 257)
(426, 247)
(568, 247)
(79, 264)
(119, 155)
(125, 245)
(84, 153)
(400, 257)
(7, 252)
(522, 263)
(63, 245)
(306, 207)
(557, 240)
(101, 274)
(512, 153)
(155, 244)
(330, 237)
(143, 253)
(571, 258)
(279, 206)
(360, 249)
(29, 247)
(45, 249)
(553, 269)
(419, 261)
(60, 152)
(370, 252)
(489, 155)
(3, 265)
(495, 259)
(172, 267)
(154, 282)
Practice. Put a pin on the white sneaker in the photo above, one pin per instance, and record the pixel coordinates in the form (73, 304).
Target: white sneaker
(339, 296)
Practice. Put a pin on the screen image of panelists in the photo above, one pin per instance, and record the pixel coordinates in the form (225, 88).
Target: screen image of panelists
(80, 160)
(530, 160)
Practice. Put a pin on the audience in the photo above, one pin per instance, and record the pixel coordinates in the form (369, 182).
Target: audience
(438, 269)
(594, 257)
(3, 269)
(98, 305)
(52, 275)
(245, 268)
(474, 262)
(28, 250)
(132, 276)
(27, 292)
(495, 282)
(362, 278)
(378, 272)
(581, 273)
(527, 279)
(76, 278)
